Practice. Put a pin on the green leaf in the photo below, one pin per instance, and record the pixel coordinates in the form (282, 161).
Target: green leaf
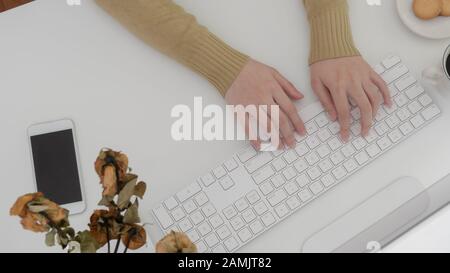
(132, 214)
(50, 238)
(126, 193)
(87, 242)
(140, 189)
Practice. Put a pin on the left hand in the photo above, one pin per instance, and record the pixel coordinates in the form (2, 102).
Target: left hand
(335, 81)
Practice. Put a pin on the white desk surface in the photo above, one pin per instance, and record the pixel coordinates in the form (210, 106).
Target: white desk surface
(58, 61)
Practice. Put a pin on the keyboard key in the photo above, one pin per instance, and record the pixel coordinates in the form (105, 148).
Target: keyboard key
(431, 112)
(312, 142)
(263, 174)
(337, 158)
(278, 180)
(163, 217)
(291, 187)
(245, 234)
(392, 121)
(253, 197)
(277, 197)
(216, 221)
(324, 135)
(316, 187)
(178, 214)
(372, 136)
(229, 212)
(208, 179)
(359, 143)
(394, 74)
(289, 173)
(362, 157)
(237, 223)
(381, 128)
(302, 180)
(401, 100)
(381, 114)
(312, 158)
(278, 164)
(325, 165)
(425, 100)
(301, 149)
(256, 227)
(282, 210)
(241, 204)
(189, 206)
(356, 129)
(300, 165)
(185, 225)
(334, 143)
(293, 202)
(322, 120)
(405, 83)
(417, 121)
(305, 195)
(379, 69)
(414, 92)
(260, 208)
(223, 232)
(266, 188)
(171, 203)
(339, 173)
(197, 217)
(247, 154)
(406, 128)
(350, 165)
(208, 210)
(268, 219)
(248, 215)
(384, 143)
(230, 165)
(327, 180)
(231, 244)
(201, 199)
(227, 183)
(211, 240)
(395, 136)
(334, 128)
(290, 156)
(348, 150)
(391, 62)
(257, 162)
(193, 235)
(314, 173)
(188, 192)
(219, 172)
(403, 114)
(414, 107)
(219, 249)
(204, 228)
(323, 151)
(201, 247)
(311, 127)
(373, 150)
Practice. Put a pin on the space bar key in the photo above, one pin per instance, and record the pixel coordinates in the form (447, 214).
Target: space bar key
(258, 161)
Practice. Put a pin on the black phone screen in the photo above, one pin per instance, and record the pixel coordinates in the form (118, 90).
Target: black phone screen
(55, 166)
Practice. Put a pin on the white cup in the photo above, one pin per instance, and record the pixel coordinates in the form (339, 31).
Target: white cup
(438, 75)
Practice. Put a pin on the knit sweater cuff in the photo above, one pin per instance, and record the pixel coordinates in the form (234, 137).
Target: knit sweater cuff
(331, 35)
(215, 60)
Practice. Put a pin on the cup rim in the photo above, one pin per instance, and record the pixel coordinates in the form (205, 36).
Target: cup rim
(444, 61)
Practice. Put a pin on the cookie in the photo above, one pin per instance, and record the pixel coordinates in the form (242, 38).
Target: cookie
(427, 9)
(445, 8)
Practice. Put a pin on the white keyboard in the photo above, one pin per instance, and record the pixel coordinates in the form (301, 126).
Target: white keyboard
(245, 196)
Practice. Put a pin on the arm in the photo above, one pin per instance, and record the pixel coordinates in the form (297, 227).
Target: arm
(167, 27)
(338, 72)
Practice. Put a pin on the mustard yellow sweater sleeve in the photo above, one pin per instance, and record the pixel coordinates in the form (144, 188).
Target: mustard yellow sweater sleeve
(167, 27)
(331, 35)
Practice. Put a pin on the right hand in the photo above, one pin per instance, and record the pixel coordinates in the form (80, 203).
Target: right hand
(260, 85)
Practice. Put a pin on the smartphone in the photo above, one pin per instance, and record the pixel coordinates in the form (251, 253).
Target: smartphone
(56, 164)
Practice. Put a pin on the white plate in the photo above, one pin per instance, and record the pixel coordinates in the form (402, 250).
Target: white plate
(437, 28)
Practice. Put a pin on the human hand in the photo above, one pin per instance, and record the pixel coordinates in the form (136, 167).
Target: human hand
(260, 85)
(335, 81)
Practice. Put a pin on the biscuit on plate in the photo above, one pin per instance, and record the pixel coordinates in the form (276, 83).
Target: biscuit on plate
(445, 8)
(427, 9)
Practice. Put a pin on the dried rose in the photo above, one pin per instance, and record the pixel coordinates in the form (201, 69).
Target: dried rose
(135, 238)
(176, 242)
(111, 167)
(101, 224)
(38, 213)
